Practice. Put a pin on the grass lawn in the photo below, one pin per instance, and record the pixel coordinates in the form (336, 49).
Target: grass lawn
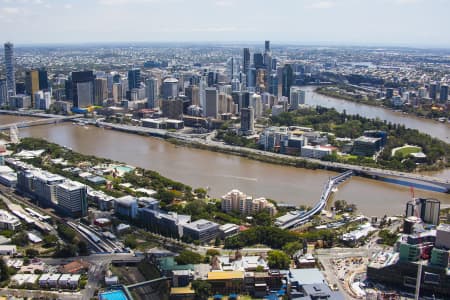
(404, 152)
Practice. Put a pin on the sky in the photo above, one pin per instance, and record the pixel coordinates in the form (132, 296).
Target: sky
(423, 23)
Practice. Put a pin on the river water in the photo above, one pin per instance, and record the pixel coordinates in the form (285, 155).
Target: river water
(431, 127)
(223, 172)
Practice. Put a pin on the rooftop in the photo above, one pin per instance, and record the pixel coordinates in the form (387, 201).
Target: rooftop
(220, 275)
(71, 185)
(200, 224)
(306, 276)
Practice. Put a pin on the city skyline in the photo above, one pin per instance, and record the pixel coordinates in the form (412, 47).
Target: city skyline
(332, 22)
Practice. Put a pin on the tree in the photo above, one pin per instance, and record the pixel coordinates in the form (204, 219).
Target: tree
(202, 289)
(259, 269)
(262, 218)
(20, 239)
(292, 247)
(50, 240)
(67, 233)
(68, 250)
(4, 270)
(31, 253)
(130, 241)
(212, 252)
(188, 257)
(201, 193)
(82, 248)
(278, 260)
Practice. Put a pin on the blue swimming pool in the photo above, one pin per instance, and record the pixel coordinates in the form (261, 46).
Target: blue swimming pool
(113, 295)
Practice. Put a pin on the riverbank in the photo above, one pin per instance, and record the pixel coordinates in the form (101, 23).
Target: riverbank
(220, 172)
(425, 114)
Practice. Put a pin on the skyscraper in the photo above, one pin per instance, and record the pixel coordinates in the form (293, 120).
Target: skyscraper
(100, 91)
(426, 209)
(433, 91)
(211, 103)
(32, 82)
(152, 92)
(258, 60)
(287, 79)
(443, 97)
(10, 70)
(134, 79)
(82, 82)
(43, 79)
(273, 84)
(267, 46)
(3, 92)
(296, 97)
(246, 60)
(247, 120)
(117, 93)
(267, 57)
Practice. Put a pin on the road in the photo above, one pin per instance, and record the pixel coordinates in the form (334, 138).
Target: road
(40, 294)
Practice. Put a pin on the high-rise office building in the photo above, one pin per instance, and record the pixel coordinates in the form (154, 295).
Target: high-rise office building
(3, 93)
(72, 198)
(211, 108)
(426, 209)
(151, 92)
(134, 79)
(193, 93)
(251, 77)
(10, 69)
(201, 90)
(83, 82)
(85, 94)
(258, 60)
(443, 97)
(246, 60)
(116, 78)
(296, 97)
(273, 84)
(268, 62)
(117, 93)
(433, 91)
(43, 80)
(256, 103)
(170, 88)
(172, 108)
(212, 78)
(100, 91)
(267, 46)
(247, 120)
(287, 80)
(32, 82)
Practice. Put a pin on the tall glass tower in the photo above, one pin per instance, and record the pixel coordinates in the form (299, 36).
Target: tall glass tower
(10, 72)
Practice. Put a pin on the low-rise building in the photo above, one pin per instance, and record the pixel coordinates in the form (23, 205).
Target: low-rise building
(226, 282)
(8, 221)
(8, 250)
(366, 146)
(229, 229)
(201, 230)
(316, 151)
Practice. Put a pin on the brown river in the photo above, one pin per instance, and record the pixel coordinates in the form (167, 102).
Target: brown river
(223, 172)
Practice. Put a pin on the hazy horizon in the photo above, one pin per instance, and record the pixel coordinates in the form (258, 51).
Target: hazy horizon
(392, 23)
